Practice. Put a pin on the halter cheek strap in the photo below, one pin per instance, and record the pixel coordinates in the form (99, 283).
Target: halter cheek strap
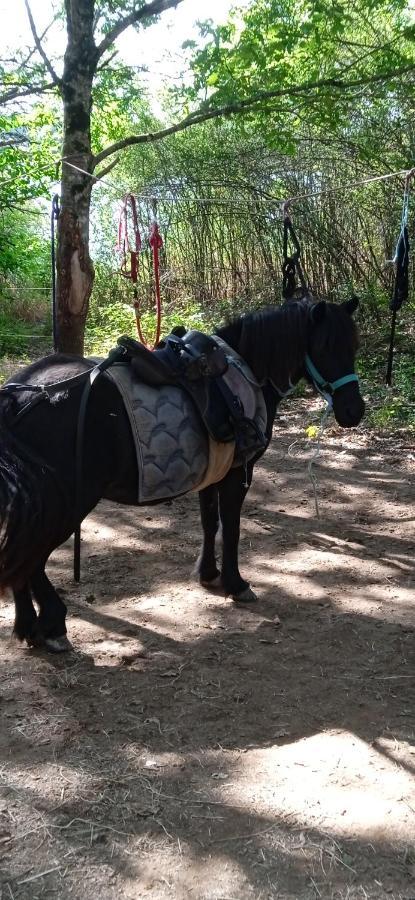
(322, 384)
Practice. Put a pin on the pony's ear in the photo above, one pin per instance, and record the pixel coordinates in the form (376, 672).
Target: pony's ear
(351, 305)
(318, 312)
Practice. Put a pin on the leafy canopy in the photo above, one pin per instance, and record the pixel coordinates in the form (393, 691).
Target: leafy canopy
(296, 62)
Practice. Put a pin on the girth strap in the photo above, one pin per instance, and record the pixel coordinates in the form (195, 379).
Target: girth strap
(113, 356)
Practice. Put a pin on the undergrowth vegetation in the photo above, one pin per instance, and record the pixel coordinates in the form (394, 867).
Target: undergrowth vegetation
(26, 333)
(319, 112)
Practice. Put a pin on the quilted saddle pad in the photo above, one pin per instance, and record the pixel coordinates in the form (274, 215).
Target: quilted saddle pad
(174, 451)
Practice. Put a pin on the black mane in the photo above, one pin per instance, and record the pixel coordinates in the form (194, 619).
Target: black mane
(273, 340)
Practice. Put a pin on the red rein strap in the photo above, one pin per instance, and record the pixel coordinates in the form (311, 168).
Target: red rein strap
(124, 247)
(156, 242)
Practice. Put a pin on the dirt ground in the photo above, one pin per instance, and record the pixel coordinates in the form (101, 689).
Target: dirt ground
(191, 748)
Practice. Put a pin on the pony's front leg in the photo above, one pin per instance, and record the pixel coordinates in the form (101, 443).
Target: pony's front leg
(52, 613)
(26, 623)
(207, 569)
(232, 492)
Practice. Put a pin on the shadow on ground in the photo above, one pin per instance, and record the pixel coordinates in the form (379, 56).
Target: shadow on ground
(191, 748)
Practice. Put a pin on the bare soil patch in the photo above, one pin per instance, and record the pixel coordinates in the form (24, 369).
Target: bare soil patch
(189, 747)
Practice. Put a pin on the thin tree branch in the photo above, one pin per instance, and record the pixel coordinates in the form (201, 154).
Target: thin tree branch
(43, 35)
(204, 113)
(21, 209)
(153, 8)
(107, 61)
(107, 169)
(13, 142)
(16, 93)
(40, 49)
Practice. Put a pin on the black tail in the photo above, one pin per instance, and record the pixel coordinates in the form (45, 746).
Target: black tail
(29, 514)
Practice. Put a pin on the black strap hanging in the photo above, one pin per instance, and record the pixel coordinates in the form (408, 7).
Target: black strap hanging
(401, 280)
(401, 286)
(291, 266)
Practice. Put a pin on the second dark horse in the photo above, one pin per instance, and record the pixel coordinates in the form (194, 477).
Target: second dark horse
(315, 340)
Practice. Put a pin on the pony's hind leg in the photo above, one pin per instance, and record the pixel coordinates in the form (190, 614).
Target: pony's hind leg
(232, 493)
(207, 569)
(26, 623)
(52, 613)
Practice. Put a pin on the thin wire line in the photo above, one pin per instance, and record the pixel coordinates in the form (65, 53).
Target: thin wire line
(26, 335)
(349, 186)
(95, 177)
(149, 197)
(316, 453)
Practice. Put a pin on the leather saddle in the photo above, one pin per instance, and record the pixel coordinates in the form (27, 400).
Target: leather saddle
(197, 363)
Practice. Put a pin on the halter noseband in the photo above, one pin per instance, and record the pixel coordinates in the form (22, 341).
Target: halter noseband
(322, 384)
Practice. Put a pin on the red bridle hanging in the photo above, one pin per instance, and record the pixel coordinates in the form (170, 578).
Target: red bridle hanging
(156, 242)
(131, 272)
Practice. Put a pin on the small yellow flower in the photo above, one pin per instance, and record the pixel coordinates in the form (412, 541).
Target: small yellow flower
(311, 431)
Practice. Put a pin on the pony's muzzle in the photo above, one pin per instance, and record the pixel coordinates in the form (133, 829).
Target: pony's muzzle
(348, 407)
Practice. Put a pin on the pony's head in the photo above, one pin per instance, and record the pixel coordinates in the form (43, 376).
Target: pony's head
(303, 338)
(332, 343)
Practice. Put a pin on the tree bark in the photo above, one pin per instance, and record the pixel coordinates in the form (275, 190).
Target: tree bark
(75, 271)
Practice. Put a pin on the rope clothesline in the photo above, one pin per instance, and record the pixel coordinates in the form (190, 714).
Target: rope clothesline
(266, 200)
(269, 201)
(350, 185)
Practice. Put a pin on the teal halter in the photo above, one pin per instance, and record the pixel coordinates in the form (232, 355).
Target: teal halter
(322, 384)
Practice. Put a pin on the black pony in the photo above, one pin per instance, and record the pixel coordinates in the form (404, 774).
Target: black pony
(38, 512)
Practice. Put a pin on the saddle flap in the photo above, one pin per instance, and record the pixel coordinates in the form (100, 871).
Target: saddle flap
(243, 389)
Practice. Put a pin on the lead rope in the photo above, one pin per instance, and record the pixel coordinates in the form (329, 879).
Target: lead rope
(317, 450)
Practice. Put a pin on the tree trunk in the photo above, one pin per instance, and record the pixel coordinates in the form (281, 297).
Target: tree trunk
(75, 271)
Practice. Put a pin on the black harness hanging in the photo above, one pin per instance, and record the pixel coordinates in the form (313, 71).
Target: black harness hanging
(400, 288)
(291, 266)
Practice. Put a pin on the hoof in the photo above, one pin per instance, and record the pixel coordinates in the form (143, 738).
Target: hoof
(35, 642)
(58, 645)
(246, 596)
(212, 585)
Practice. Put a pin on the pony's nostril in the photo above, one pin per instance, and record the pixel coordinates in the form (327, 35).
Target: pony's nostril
(355, 413)
(349, 415)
